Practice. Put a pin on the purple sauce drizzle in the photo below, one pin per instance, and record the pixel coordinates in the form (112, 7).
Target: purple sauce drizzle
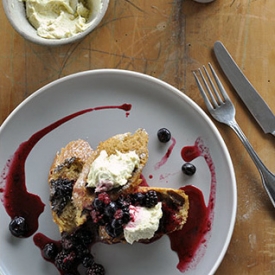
(16, 199)
(190, 242)
(167, 154)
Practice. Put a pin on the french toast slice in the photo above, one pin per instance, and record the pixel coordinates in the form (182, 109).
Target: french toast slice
(64, 172)
(83, 196)
(174, 206)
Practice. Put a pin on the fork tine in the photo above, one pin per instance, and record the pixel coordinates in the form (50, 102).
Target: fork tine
(201, 89)
(207, 86)
(219, 84)
(217, 94)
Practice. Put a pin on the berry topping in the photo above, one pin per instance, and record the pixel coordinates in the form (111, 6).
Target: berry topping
(88, 261)
(110, 209)
(126, 215)
(95, 269)
(137, 199)
(114, 232)
(114, 215)
(98, 204)
(18, 227)
(84, 236)
(67, 243)
(50, 251)
(65, 260)
(116, 223)
(188, 168)
(104, 197)
(61, 193)
(151, 199)
(164, 135)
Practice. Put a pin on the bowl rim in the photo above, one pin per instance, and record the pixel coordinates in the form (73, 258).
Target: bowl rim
(11, 5)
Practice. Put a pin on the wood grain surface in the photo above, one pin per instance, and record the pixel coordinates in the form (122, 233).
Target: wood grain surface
(169, 39)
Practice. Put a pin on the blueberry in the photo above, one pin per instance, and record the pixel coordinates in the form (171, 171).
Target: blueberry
(188, 168)
(114, 232)
(138, 199)
(164, 135)
(18, 227)
(116, 223)
(50, 251)
(110, 209)
(126, 216)
(98, 204)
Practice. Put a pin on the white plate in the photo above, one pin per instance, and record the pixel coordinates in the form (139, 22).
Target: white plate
(155, 104)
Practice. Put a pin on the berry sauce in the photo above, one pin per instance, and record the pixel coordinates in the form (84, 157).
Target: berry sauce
(167, 155)
(190, 242)
(14, 195)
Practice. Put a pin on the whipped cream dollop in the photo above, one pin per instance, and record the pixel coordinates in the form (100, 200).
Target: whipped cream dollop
(56, 19)
(108, 172)
(144, 223)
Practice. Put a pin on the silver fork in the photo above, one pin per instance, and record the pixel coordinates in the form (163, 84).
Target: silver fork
(222, 109)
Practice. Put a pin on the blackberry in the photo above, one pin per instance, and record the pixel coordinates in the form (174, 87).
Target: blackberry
(95, 269)
(151, 199)
(50, 251)
(81, 251)
(88, 261)
(65, 261)
(67, 243)
(188, 169)
(61, 193)
(164, 135)
(18, 227)
(84, 236)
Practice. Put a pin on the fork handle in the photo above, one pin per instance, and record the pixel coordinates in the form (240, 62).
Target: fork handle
(268, 178)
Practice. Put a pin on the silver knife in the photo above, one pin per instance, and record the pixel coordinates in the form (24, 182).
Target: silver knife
(251, 98)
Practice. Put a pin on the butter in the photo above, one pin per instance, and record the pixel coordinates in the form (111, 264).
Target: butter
(144, 223)
(108, 172)
(56, 19)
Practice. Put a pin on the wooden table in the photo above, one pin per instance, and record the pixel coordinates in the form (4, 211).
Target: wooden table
(168, 39)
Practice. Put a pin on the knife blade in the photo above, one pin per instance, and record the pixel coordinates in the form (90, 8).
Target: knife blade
(251, 98)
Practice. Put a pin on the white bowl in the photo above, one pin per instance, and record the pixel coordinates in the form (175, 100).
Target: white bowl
(16, 14)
